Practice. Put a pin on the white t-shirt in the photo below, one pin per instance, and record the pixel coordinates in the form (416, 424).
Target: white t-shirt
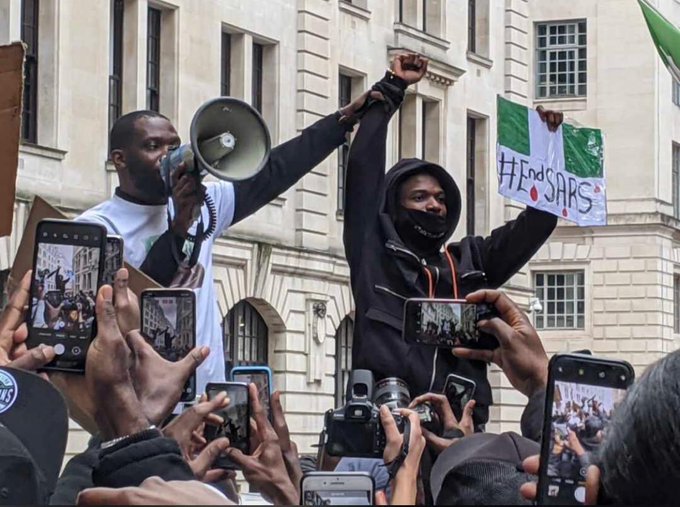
(140, 226)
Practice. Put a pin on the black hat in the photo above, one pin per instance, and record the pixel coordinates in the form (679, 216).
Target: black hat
(482, 469)
(33, 433)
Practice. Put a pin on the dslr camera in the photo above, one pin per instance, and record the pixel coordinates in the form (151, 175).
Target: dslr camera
(355, 430)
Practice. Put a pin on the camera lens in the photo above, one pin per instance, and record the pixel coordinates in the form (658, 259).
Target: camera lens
(581, 371)
(622, 378)
(392, 392)
(560, 369)
(601, 374)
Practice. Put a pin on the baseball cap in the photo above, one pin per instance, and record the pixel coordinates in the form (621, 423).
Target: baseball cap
(33, 433)
(482, 469)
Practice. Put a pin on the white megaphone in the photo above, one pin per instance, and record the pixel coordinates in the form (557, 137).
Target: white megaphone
(228, 139)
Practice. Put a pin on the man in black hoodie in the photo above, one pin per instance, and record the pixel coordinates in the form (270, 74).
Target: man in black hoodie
(395, 227)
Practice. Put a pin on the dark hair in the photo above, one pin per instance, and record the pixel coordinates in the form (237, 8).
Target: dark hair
(640, 456)
(124, 128)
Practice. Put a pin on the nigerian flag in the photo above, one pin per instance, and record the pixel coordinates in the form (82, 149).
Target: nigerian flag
(560, 172)
(666, 37)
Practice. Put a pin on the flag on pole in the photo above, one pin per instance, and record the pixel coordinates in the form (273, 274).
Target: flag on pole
(666, 37)
(559, 172)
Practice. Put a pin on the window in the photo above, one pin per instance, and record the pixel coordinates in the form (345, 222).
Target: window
(424, 15)
(246, 337)
(676, 181)
(561, 59)
(116, 63)
(153, 59)
(562, 296)
(429, 131)
(226, 64)
(470, 180)
(676, 304)
(343, 358)
(472, 26)
(676, 92)
(344, 98)
(29, 35)
(258, 54)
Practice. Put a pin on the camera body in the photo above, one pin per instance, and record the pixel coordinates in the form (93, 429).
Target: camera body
(355, 430)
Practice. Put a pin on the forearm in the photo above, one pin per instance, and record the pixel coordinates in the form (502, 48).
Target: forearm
(405, 486)
(288, 163)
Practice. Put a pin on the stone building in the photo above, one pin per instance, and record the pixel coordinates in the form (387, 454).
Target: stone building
(282, 280)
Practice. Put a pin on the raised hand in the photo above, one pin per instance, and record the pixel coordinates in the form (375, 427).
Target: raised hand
(410, 67)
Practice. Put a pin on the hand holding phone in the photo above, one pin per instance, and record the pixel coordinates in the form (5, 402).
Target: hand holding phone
(337, 488)
(458, 391)
(235, 416)
(113, 259)
(261, 376)
(67, 268)
(583, 392)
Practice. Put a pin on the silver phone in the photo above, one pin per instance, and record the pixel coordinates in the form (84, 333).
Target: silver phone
(337, 488)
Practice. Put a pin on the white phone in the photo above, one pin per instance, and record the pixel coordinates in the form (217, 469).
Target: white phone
(337, 488)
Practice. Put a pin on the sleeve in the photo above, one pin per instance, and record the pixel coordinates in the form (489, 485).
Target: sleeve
(160, 264)
(77, 476)
(531, 422)
(510, 247)
(366, 167)
(130, 464)
(288, 163)
(222, 195)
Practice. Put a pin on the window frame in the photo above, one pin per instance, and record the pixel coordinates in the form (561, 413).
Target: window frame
(675, 179)
(344, 98)
(153, 58)
(676, 303)
(542, 319)
(236, 342)
(116, 69)
(257, 73)
(676, 91)
(343, 358)
(225, 77)
(470, 179)
(472, 26)
(554, 52)
(29, 114)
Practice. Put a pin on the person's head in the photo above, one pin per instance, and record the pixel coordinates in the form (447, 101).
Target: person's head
(139, 140)
(423, 192)
(640, 455)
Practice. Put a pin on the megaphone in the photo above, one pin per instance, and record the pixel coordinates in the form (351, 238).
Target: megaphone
(228, 139)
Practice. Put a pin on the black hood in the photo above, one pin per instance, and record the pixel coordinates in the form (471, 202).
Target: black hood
(390, 201)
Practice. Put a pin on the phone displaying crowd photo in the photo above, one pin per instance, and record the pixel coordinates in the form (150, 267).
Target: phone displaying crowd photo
(67, 268)
(169, 325)
(583, 393)
(113, 259)
(261, 376)
(446, 323)
(459, 390)
(337, 488)
(235, 416)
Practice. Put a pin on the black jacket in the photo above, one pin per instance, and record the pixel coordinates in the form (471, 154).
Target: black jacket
(384, 272)
(287, 164)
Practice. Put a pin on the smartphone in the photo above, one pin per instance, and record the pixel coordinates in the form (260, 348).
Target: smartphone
(459, 390)
(113, 259)
(169, 325)
(67, 267)
(447, 323)
(337, 488)
(261, 376)
(236, 416)
(583, 392)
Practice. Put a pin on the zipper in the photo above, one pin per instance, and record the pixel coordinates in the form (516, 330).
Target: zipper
(396, 248)
(390, 291)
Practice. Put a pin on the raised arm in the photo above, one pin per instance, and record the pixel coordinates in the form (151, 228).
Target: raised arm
(288, 163)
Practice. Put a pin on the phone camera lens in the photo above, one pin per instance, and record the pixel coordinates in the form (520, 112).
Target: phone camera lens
(622, 378)
(64, 236)
(86, 237)
(601, 374)
(560, 369)
(581, 371)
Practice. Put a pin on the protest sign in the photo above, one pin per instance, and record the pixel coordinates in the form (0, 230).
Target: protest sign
(559, 172)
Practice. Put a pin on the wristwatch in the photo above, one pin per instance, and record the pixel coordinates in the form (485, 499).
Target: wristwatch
(148, 433)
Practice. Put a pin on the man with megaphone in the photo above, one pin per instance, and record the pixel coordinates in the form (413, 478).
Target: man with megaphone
(169, 219)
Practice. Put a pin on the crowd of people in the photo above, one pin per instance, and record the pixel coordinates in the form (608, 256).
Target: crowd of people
(396, 249)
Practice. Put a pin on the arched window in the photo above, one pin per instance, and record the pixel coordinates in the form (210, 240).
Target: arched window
(246, 337)
(343, 358)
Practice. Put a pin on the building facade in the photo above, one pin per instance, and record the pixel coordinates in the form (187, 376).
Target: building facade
(283, 283)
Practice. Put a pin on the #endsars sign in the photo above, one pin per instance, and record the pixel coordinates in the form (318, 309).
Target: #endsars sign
(559, 172)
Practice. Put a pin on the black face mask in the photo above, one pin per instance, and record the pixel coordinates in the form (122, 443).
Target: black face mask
(420, 230)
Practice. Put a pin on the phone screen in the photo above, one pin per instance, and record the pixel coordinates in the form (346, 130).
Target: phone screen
(236, 415)
(579, 415)
(445, 323)
(459, 391)
(261, 380)
(337, 497)
(168, 324)
(66, 272)
(113, 259)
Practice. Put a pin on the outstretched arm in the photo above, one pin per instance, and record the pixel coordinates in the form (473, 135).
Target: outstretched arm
(288, 163)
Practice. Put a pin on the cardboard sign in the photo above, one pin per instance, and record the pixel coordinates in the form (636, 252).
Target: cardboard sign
(559, 172)
(11, 92)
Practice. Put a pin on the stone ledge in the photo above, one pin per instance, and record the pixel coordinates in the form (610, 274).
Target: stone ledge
(354, 10)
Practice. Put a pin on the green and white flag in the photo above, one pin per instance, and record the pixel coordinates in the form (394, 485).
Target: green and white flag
(559, 172)
(666, 37)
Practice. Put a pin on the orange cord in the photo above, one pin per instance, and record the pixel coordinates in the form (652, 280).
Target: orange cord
(430, 282)
(453, 273)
